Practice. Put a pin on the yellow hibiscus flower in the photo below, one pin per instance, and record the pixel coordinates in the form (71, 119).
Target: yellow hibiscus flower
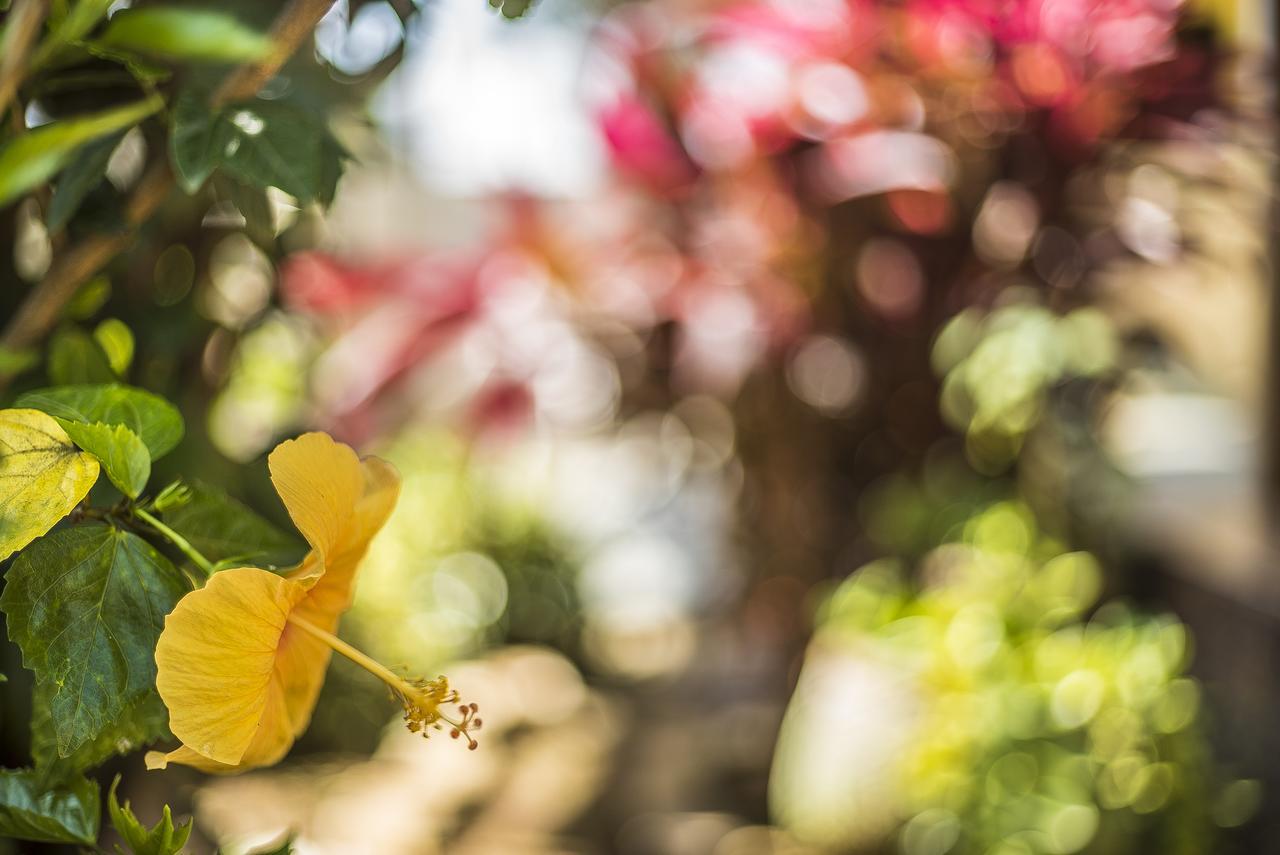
(241, 660)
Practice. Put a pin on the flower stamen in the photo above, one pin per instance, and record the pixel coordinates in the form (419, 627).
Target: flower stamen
(424, 701)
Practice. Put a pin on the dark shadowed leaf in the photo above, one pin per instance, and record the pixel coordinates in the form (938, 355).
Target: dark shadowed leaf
(85, 172)
(86, 606)
(76, 357)
(68, 813)
(221, 528)
(140, 724)
(36, 156)
(260, 143)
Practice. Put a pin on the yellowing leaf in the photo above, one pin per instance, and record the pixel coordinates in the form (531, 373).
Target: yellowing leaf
(42, 476)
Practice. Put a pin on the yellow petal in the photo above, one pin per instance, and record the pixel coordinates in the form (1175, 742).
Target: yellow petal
(42, 476)
(320, 482)
(330, 593)
(240, 682)
(217, 666)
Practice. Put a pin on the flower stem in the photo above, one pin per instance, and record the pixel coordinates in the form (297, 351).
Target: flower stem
(423, 701)
(369, 664)
(184, 546)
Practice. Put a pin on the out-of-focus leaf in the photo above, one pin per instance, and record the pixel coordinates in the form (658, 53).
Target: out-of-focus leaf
(75, 25)
(185, 34)
(84, 173)
(160, 839)
(157, 422)
(76, 357)
(116, 340)
(140, 724)
(284, 847)
(283, 146)
(221, 528)
(15, 362)
(91, 297)
(512, 9)
(42, 477)
(32, 158)
(198, 140)
(122, 454)
(255, 207)
(261, 143)
(69, 813)
(86, 606)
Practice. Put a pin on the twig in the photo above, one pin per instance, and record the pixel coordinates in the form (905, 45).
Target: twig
(41, 309)
(24, 22)
(290, 29)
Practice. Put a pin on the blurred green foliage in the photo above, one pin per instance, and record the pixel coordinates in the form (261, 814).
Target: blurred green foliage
(1046, 723)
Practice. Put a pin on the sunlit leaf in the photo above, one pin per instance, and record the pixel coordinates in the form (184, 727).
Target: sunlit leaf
(123, 456)
(65, 814)
(42, 477)
(91, 297)
(116, 340)
(71, 27)
(86, 606)
(157, 422)
(34, 157)
(185, 34)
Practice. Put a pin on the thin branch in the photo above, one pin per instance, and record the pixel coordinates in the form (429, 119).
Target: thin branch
(290, 30)
(25, 18)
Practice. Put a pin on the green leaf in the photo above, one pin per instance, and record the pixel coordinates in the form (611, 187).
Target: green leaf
(42, 477)
(66, 814)
(122, 454)
(76, 357)
(221, 529)
(198, 140)
(15, 362)
(140, 724)
(512, 9)
(116, 340)
(72, 27)
(34, 157)
(280, 145)
(86, 606)
(255, 207)
(185, 34)
(260, 143)
(91, 297)
(284, 847)
(85, 172)
(160, 839)
(157, 422)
